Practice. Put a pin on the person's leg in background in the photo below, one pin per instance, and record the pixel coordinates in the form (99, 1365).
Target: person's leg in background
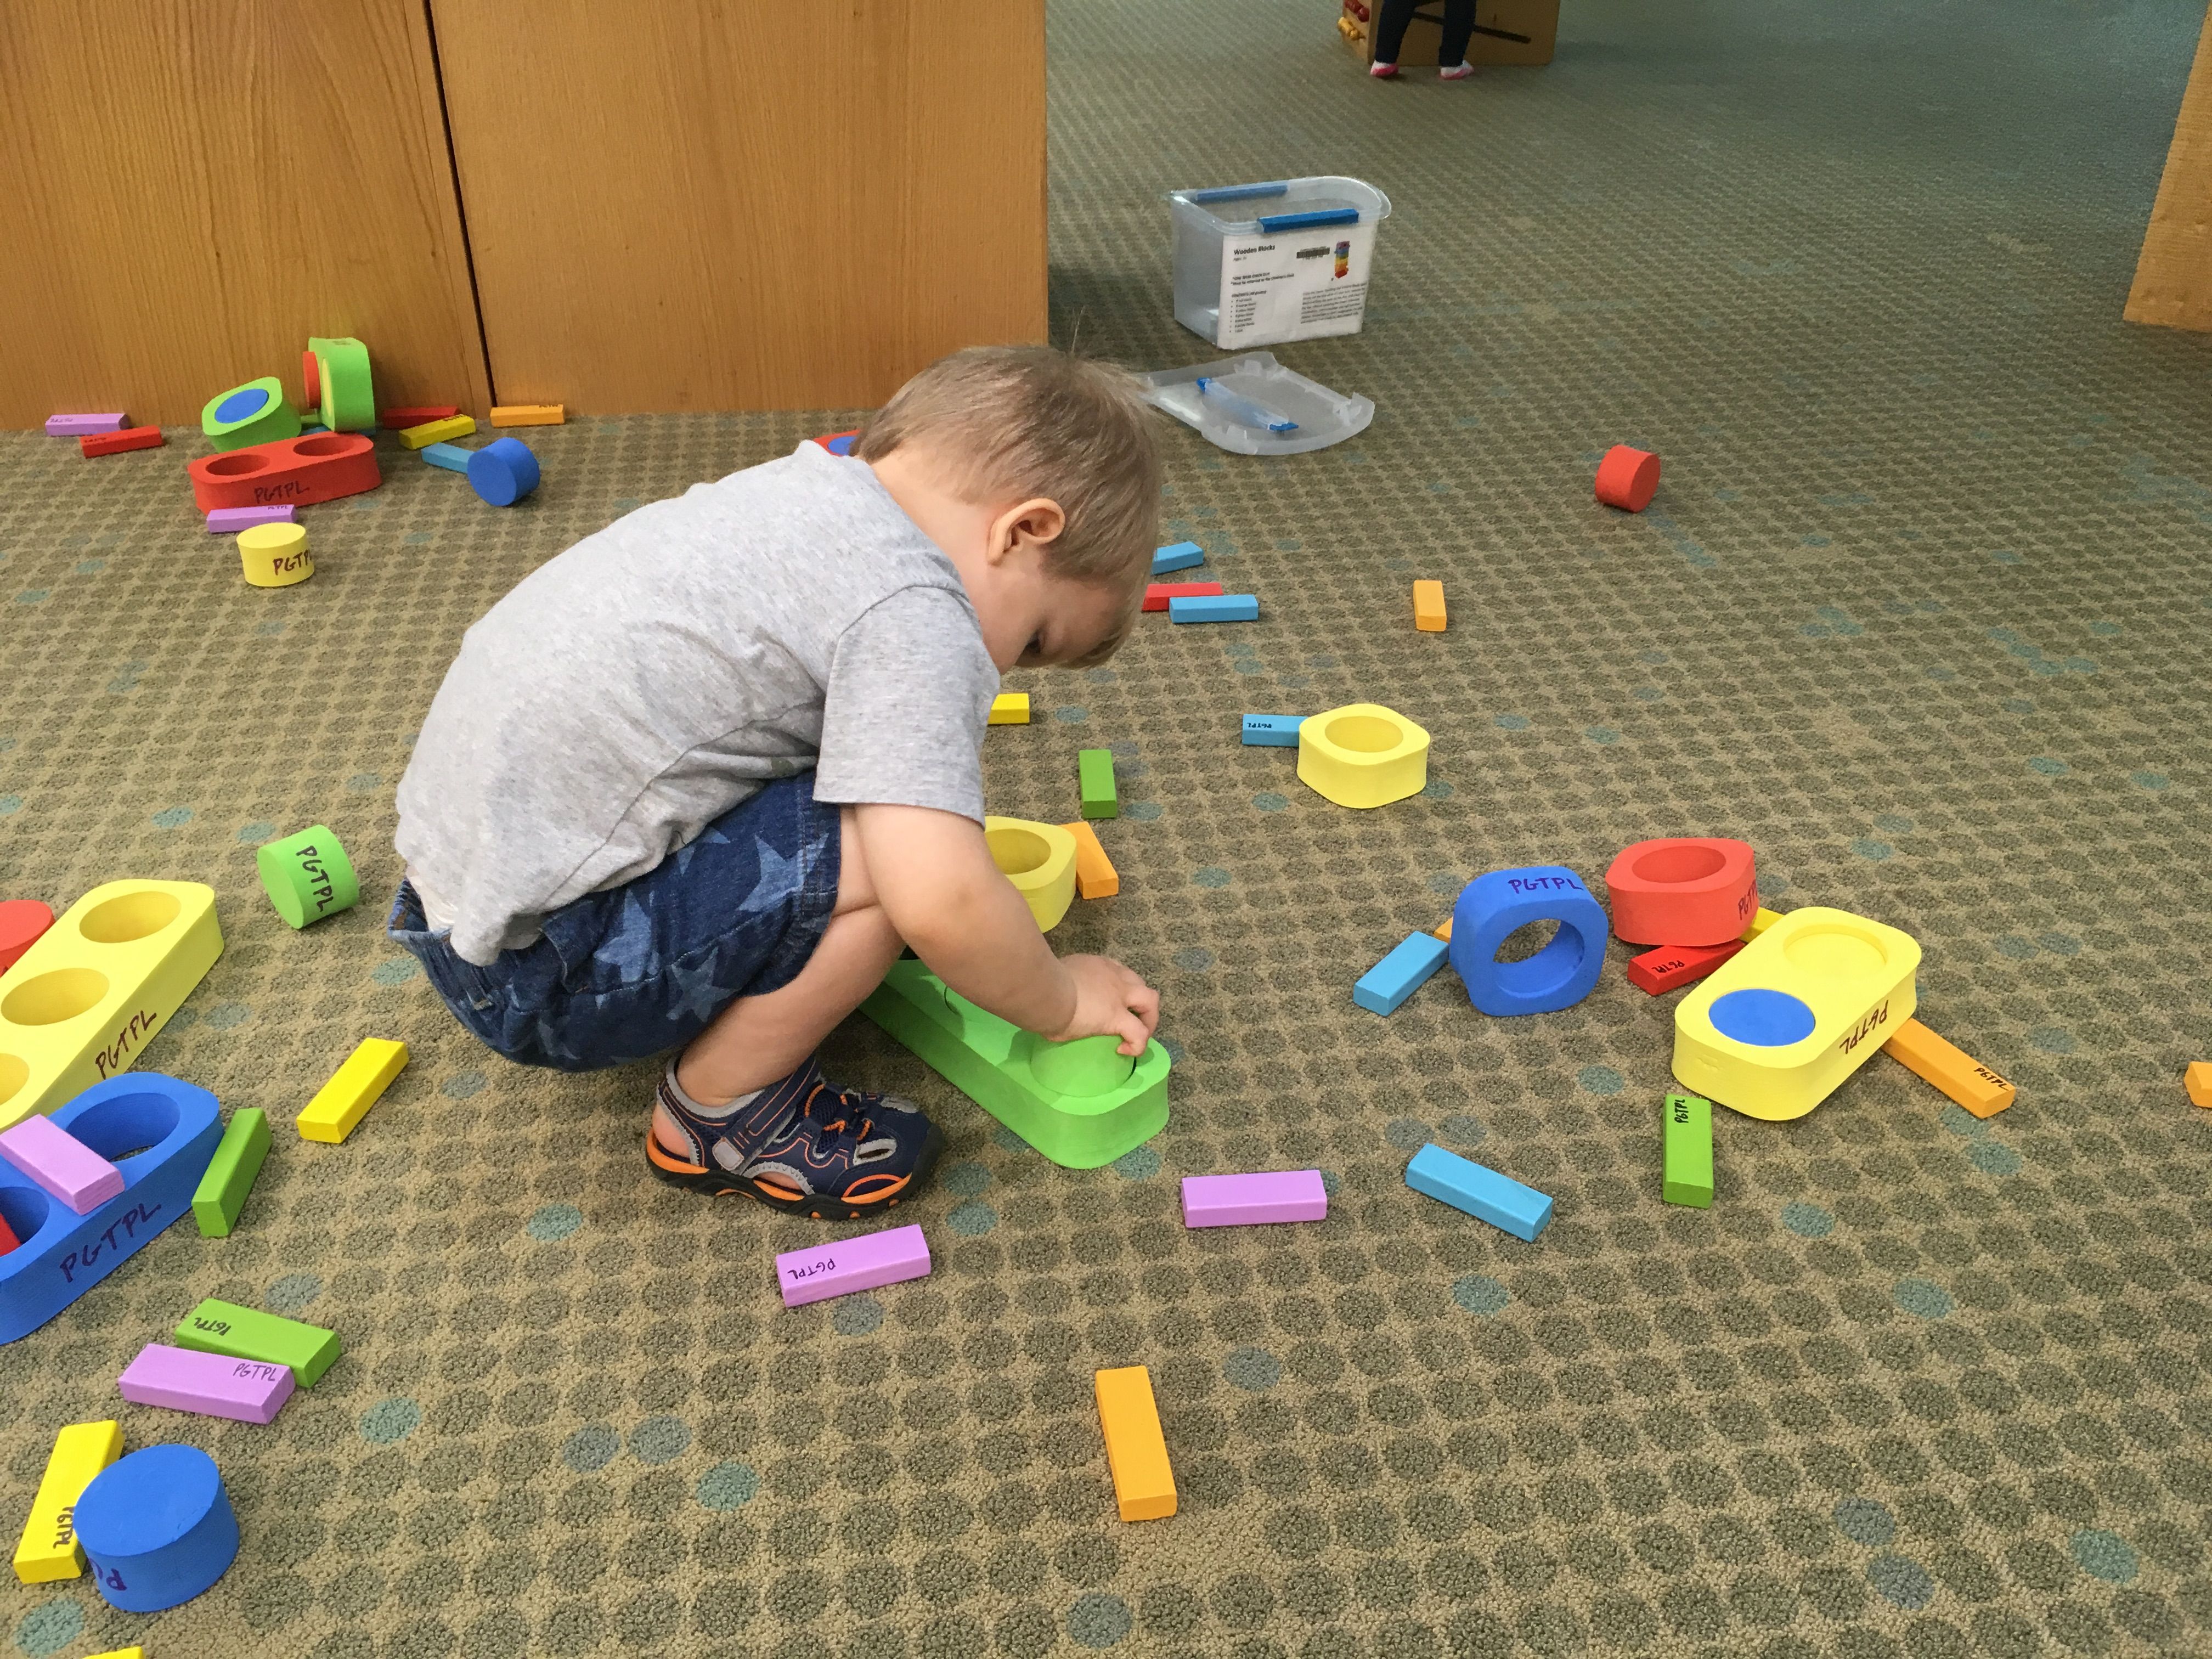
(1459, 29)
(1390, 33)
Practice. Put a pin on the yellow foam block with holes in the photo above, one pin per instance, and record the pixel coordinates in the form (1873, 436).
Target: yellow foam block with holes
(1363, 754)
(79, 1005)
(49, 1550)
(1782, 1022)
(1010, 708)
(1039, 858)
(352, 1089)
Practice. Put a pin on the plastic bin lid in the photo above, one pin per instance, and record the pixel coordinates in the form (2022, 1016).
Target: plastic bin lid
(1285, 204)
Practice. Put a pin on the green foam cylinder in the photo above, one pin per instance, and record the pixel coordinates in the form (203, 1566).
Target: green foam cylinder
(307, 876)
(348, 395)
(255, 413)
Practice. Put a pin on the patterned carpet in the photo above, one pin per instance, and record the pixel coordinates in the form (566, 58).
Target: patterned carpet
(1919, 611)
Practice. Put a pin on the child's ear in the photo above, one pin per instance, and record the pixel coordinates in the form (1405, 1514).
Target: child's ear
(1036, 522)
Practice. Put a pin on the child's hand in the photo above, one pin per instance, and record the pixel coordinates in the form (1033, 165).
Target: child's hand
(1109, 1001)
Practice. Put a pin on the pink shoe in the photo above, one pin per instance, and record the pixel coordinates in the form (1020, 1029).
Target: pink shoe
(1458, 72)
(1383, 71)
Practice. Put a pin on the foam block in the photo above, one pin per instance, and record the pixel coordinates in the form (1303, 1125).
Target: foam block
(76, 425)
(343, 381)
(1160, 595)
(1686, 1151)
(236, 1333)
(1215, 607)
(7, 1239)
(1398, 976)
(1010, 708)
(529, 415)
(114, 443)
(49, 1550)
(1673, 966)
(307, 876)
(2197, 1080)
(353, 1088)
(23, 922)
(230, 1173)
(1095, 875)
(210, 1384)
(1481, 1191)
(1273, 731)
(1246, 1201)
(438, 432)
(63, 1165)
(856, 1264)
(452, 457)
(1493, 906)
(1363, 756)
(1177, 556)
(1627, 478)
(298, 471)
(158, 1528)
(255, 413)
(1136, 1450)
(275, 555)
(229, 520)
(837, 443)
(400, 419)
(1039, 858)
(503, 471)
(1951, 1069)
(1760, 923)
(1429, 607)
(1094, 777)
(1683, 890)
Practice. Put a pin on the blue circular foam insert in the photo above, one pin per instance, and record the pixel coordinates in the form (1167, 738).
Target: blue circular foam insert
(1765, 1020)
(248, 401)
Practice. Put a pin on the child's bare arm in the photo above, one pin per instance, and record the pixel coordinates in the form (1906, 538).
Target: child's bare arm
(933, 875)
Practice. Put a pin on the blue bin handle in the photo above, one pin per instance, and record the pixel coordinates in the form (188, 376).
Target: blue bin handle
(1235, 192)
(1273, 222)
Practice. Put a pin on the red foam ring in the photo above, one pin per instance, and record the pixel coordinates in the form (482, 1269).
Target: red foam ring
(1683, 890)
(21, 921)
(1627, 478)
(1157, 594)
(1672, 966)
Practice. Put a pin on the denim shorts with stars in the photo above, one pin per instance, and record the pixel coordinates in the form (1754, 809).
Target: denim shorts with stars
(643, 968)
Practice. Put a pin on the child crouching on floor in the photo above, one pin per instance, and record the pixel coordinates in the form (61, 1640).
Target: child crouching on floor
(693, 783)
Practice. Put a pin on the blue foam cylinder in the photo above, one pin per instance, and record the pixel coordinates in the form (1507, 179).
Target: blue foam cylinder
(1273, 731)
(157, 1528)
(1179, 555)
(503, 471)
(1398, 976)
(1478, 1189)
(1559, 975)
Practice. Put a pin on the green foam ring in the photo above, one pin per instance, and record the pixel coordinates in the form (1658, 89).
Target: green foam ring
(307, 876)
(255, 413)
(348, 395)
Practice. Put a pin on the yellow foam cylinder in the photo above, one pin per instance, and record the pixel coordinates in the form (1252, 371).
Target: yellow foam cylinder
(1039, 858)
(275, 555)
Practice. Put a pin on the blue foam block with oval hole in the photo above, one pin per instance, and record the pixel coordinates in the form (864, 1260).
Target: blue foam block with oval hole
(1495, 905)
(161, 1134)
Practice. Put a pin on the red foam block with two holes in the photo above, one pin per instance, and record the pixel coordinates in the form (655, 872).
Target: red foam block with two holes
(1683, 890)
(1627, 478)
(321, 467)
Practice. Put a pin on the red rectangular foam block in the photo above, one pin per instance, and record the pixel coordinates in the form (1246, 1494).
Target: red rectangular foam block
(1157, 594)
(398, 420)
(321, 467)
(1672, 966)
(132, 437)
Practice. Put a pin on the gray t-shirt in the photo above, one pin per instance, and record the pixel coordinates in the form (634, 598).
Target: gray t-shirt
(630, 691)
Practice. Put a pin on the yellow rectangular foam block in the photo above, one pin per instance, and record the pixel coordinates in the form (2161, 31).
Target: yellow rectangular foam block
(81, 1004)
(1800, 1009)
(1759, 924)
(1950, 1069)
(121, 1653)
(1010, 708)
(49, 1549)
(1095, 875)
(438, 432)
(1136, 1450)
(352, 1089)
(530, 415)
(1429, 607)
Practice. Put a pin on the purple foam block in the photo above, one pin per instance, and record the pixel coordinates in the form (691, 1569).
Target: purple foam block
(61, 1163)
(229, 520)
(76, 426)
(212, 1384)
(858, 1264)
(1240, 1201)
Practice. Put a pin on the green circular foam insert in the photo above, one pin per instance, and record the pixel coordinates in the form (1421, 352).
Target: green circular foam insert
(307, 876)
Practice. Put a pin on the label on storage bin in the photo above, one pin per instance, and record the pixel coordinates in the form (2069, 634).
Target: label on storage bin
(1294, 285)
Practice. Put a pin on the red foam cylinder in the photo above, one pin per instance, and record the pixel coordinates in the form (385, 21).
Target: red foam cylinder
(1627, 478)
(1683, 890)
(319, 467)
(21, 921)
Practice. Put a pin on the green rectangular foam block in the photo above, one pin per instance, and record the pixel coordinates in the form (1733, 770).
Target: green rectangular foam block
(1079, 1103)
(224, 1328)
(1096, 769)
(230, 1173)
(1686, 1151)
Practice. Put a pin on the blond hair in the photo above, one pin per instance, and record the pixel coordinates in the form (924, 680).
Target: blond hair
(1018, 422)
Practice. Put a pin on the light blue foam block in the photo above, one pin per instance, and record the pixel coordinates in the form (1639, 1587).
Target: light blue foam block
(1215, 607)
(1399, 974)
(1273, 731)
(1180, 556)
(1483, 1193)
(452, 457)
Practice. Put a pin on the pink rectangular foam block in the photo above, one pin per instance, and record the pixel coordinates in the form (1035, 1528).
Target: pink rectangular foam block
(858, 1264)
(61, 1163)
(1240, 1201)
(212, 1384)
(76, 426)
(229, 520)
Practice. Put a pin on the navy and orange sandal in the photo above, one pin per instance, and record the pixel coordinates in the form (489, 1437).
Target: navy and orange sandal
(803, 1146)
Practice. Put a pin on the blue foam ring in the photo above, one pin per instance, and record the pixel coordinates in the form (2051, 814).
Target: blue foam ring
(1559, 975)
(64, 1255)
(157, 1528)
(503, 471)
(1761, 1017)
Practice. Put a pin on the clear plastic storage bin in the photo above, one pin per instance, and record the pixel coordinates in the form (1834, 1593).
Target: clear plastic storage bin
(1297, 270)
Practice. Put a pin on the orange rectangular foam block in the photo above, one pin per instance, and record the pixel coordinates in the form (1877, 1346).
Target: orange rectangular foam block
(132, 437)
(2197, 1079)
(1672, 965)
(1094, 871)
(1951, 1069)
(1429, 607)
(1136, 1450)
(530, 415)
(1444, 932)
